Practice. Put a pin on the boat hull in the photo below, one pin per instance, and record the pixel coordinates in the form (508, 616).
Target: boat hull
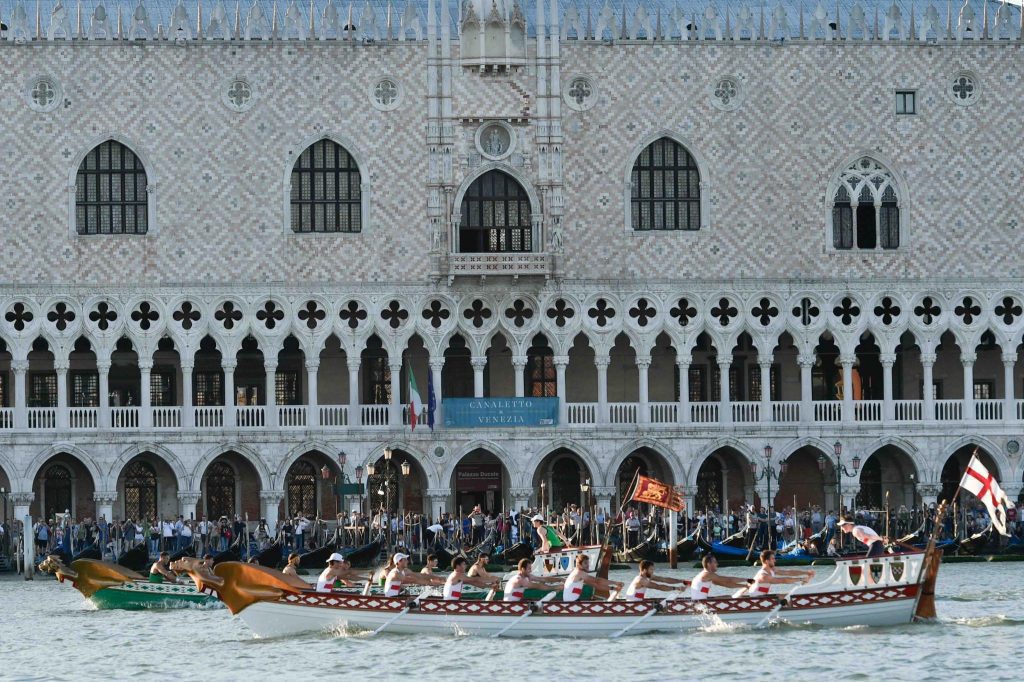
(139, 595)
(313, 613)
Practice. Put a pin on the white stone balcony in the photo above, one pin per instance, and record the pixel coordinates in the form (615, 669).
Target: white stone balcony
(499, 264)
(617, 415)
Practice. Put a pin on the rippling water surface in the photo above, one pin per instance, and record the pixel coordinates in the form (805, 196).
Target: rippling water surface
(49, 631)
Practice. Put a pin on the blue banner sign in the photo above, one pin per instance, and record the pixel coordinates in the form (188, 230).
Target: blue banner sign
(499, 412)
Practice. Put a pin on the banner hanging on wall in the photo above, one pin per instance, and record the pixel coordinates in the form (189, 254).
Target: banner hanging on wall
(499, 412)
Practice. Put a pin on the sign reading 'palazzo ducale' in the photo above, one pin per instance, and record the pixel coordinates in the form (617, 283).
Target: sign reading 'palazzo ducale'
(491, 412)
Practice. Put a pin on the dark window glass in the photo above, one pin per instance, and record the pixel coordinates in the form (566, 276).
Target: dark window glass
(541, 377)
(220, 491)
(302, 489)
(110, 192)
(377, 378)
(42, 389)
(286, 388)
(209, 389)
(57, 491)
(325, 194)
(85, 389)
(495, 216)
(140, 491)
(161, 388)
(666, 188)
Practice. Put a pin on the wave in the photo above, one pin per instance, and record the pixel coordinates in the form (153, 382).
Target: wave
(996, 620)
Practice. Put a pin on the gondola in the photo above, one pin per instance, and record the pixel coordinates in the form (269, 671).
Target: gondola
(512, 555)
(187, 551)
(979, 543)
(365, 556)
(316, 558)
(136, 558)
(270, 557)
(688, 547)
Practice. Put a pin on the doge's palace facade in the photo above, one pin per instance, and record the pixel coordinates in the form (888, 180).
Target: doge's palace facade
(720, 235)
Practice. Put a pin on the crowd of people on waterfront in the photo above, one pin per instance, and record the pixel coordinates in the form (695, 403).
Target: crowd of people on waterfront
(628, 528)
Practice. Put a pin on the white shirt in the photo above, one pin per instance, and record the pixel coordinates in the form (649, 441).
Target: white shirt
(515, 588)
(634, 592)
(393, 584)
(698, 588)
(573, 589)
(866, 535)
(452, 588)
(323, 584)
(168, 529)
(759, 588)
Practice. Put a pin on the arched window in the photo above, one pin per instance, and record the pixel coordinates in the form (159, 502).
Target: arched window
(541, 376)
(326, 193)
(301, 486)
(709, 485)
(220, 491)
(865, 208)
(57, 491)
(665, 188)
(495, 216)
(140, 491)
(110, 192)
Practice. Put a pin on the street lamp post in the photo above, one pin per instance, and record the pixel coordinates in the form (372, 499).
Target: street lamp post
(840, 470)
(585, 489)
(542, 510)
(768, 472)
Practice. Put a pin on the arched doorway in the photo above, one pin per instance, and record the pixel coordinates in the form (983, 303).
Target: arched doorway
(140, 491)
(230, 486)
(870, 494)
(724, 482)
(64, 484)
(398, 485)
(147, 489)
(559, 477)
(803, 482)
(300, 487)
(479, 479)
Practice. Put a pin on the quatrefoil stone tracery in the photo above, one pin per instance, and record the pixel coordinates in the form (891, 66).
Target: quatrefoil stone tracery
(103, 316)
(145, 315)
(228, 315)
(270, 315)
(435, 313)
(394, 314)
(601, 312)
(352, 314)
(519, 312)
(643, 312)
(477, 313)
(61, 316)
(928, 310)
(683, 312)
(312, 314)
(19, 316)
(561, 312)
(186, 315)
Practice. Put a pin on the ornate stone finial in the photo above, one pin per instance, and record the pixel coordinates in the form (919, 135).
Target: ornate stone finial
(893, 20)
(368, 24)
(180, 26)
(330, 25)
(294, 26)
(220, 25)
(140, 26)
(779, 27)
(409, 22)
(966, 22)
(256, 23)
(605, 23)
(60, 22)
(18, 28)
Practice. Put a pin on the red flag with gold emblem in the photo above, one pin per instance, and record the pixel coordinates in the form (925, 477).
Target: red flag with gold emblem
(653, 491)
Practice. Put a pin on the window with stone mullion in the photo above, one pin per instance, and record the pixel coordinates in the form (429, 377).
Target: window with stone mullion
(665, 188)
(110, 192)
(495, 216)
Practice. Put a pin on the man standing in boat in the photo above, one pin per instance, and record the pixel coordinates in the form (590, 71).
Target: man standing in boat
(574, 582)
(401, 575)
(453, 584)
(769, 575)
(549, 540)
(700, 587)
(637, 590)
(866, 535)
(517, 585)
(161, 571)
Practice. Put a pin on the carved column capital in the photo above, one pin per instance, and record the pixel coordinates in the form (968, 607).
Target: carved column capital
(928, 358)
(269, 496)
(437, 364)
(602, 361)
(105, 497)
(560, 360)
(22, 499)
(312, 365)
(519, 361)
(478, 362)
(806, 359)
(189, 497)
(643, 361)
(520, 493)
(887, 359)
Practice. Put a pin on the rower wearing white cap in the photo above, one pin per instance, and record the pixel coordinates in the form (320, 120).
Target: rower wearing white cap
(401, 575)
(866, 535)
(338, 572)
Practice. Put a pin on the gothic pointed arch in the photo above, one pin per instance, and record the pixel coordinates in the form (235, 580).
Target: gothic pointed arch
(497, 213)
(112, 189)
(327, 187)
(867, 206)
(666, 185)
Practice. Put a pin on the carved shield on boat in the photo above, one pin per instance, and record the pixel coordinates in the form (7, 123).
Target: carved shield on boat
(856, 572)
(897, 568)
(549, 565)
(876, 572)
(564, 563)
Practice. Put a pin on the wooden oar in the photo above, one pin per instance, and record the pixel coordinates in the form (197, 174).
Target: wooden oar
(409, 607)
(778, 607)
(529, 611)
(653, 610)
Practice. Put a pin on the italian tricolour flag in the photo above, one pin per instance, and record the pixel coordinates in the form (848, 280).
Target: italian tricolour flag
(416, 406)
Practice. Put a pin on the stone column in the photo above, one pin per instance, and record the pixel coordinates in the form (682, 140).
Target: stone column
(105, 500)
(312, 398)
(604, 498)
(229, 393)
(927, 390)
(929, 493)
(61, 368)
(765, 365)
(436, 365)
(479, 365)
(354, 412)
(520, 497)
(643, 365)
(145, 394)
(602, 362)
(689, 493)
(20, 368)
(437, 500)
(270, 368)
(103, 411)
(806, 362)
(724, 400)
(22, 502)
(967, 360)
(1009, 403)
(270, 503)
(888, 406)
(561, 362)
(519, 368)
(847, 362)
(188, 413)
(395, 411)
(187, 501)
(683, 399)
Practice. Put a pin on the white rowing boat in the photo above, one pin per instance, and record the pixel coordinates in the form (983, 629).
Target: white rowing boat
(873, 592)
